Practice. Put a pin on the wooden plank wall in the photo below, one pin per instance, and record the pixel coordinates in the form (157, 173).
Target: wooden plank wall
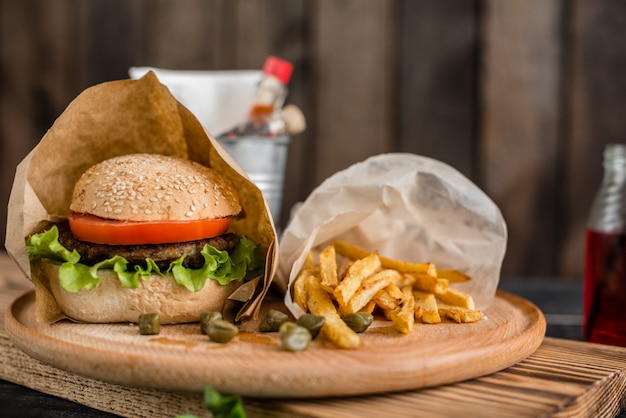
(520, 96)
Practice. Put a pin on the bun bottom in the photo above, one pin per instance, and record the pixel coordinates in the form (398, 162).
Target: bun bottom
(111, 302)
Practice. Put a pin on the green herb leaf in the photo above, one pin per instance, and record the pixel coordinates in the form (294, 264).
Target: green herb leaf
(223, 406)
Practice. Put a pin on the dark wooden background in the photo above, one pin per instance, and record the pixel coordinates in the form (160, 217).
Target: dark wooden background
(519, 95)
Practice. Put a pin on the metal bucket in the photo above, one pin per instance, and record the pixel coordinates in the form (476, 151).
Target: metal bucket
(264, 160)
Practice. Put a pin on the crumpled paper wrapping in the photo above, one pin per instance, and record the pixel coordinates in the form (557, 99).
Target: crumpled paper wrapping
(219, 99)
(406, 207)
(124, 117)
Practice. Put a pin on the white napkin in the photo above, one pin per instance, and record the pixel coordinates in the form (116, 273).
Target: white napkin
(219, 99)
(407, 207)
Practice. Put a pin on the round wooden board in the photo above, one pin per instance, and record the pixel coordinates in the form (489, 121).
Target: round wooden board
(180, 358)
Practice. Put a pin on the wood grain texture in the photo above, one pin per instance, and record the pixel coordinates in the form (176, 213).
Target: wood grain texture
(436, 93)
(180, 358)
(596, 109)
(562, 379)
(520, 96)
(282, 28)
(353, 91)
(519, 146)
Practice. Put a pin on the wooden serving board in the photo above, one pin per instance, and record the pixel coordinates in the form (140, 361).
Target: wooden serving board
(563, 378)
(180, 358)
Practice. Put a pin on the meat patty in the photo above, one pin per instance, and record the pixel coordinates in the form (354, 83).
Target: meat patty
(162, 254)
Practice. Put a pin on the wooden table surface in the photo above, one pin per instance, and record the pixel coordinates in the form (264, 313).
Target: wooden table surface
(563, 378)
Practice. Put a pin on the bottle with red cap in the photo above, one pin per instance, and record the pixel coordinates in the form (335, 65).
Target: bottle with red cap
(272, 89)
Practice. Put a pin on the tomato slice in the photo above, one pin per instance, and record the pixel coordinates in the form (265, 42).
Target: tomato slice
(107, 231)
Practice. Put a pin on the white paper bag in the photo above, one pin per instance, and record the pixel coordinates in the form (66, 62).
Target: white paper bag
(406, 207)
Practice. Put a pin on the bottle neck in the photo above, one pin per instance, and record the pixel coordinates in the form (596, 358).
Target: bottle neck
(608, 212)
(614, 162)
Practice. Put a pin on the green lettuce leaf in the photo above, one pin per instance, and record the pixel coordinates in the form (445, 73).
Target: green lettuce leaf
(244, 262)
(47, 245)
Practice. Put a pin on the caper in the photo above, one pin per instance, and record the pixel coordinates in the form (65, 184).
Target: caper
(358, 321)
(294, 337)
(221, 331)
(206, 317)
(313, 323)
(149, 324)
(273, 320)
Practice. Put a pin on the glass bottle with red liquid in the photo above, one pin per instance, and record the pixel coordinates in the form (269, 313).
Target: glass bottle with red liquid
(604, 305)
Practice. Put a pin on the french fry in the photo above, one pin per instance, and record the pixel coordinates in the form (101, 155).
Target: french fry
(403, 318)
(460, 315)
(369, 308)
(353, 252)
(350, 251)
(431, 270)
(370, 287)
(404, 292)
(396, 292)
(453, 276)
(471, 315)
(299, 292)
(328, 268)
(385, 300)
(345, 270)
(455, 297)
(402, 280)
(428, 283)
(356, 273)
(426, 309)
(309, 264)
(320, 303)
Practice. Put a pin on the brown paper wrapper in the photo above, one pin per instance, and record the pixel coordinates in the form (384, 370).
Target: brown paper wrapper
(125, 117)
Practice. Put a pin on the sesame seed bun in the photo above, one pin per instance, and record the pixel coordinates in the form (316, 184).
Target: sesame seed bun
(153, 187)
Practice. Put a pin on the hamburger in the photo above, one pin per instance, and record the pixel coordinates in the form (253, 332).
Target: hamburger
(145, 233)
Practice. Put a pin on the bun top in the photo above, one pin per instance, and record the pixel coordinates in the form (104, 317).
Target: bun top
(153, 187)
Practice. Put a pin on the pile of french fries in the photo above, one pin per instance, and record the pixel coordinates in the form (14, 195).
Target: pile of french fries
(403, 292)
